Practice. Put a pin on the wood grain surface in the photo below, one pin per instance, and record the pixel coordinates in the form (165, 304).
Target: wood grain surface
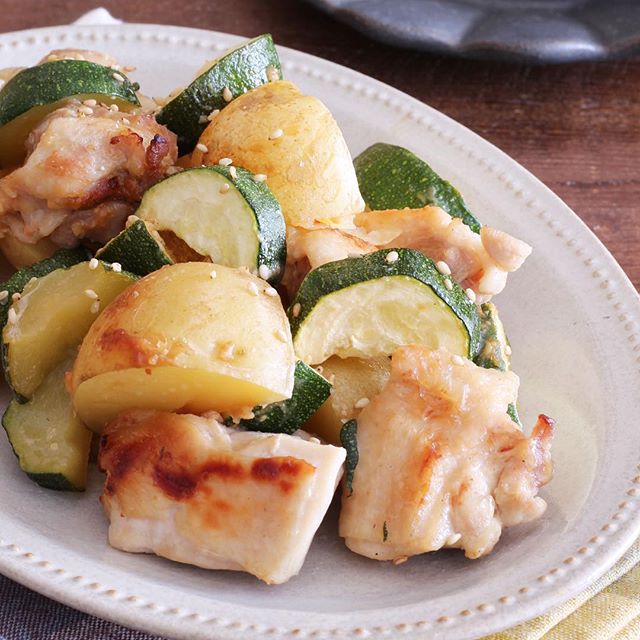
(576, 126)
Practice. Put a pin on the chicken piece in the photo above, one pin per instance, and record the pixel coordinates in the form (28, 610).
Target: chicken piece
(440, 462)
(310, 248)
(86, 170)
(192, 490)
(477, 261)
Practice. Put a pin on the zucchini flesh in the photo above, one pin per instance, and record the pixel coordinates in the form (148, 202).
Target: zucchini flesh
(370, 305)
(310, 390)
(52, 317)
(35, 92)
(392, 177)
(50, 442)
(236, 222)
(238, 70)
(137, 249)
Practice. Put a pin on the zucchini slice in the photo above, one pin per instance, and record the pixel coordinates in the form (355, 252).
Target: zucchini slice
(138, 249)
(37, 91)
(368, 306)
(239, 70)
(494, 352)
(392, 177)
(52, 317)
(62, 259)
(50, 442)
(224, 215)
(310, 390)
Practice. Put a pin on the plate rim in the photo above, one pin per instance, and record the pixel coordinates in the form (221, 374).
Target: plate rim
(40, 574)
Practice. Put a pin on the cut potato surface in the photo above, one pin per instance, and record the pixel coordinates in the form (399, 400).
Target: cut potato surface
(191, 336)
(293, 139)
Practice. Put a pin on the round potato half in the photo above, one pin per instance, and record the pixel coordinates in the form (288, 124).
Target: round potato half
(294, 140)
(190, 337)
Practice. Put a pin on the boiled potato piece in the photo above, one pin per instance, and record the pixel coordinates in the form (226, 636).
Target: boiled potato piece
(354, 380)
(23, 254)
(190, 337)
(293, 139)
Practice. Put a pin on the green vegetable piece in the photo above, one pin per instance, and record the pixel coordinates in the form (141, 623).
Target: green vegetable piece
(349, 440)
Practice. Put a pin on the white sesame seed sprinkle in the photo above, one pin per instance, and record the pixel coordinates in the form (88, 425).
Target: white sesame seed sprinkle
(203, 119)
(264, 272)
(225, 162)
(224, 187)
(253, 287)
(126, 121)
(400, 560)
(116, 266)
(86, 110)
(90, 103)
(471, 294)
(4, 295)
(443, 268)
(95, 306)
(114, 108)
(297, 308)
(457, 359)
(202, 147)
(280, 335)
(117, 77)
(12, 316)
(90, 293)
(314, 440)
(153, 360)
(93, 264)
(271, 292)
(448, 285)
(507, 350)
(213, 274)
(259, 177)
(272, 74)
(213, 114)
(392, 257)
(233, 172)
(275, 134)
(16, 296)
(227, 351)
(227, 95)
(362, 403)
(135, 294)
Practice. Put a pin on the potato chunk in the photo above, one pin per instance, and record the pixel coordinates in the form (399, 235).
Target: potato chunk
(189, 337)
(293, 139)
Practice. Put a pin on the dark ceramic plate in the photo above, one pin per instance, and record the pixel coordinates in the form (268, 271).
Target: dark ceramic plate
(517, 30)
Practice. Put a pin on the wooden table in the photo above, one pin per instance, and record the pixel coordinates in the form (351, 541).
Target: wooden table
(576, 127)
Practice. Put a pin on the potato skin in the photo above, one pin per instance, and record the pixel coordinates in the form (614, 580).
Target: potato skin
(308, 168)
(181, 317)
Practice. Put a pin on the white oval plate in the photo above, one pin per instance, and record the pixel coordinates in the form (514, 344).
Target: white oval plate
(572, 317)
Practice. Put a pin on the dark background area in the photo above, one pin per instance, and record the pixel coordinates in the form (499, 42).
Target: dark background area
(575, 126)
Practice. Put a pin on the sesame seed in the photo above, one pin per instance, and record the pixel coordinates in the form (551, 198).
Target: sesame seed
(297, 308)
(319, 369)
(171, 171)
(507, 349)
(202, 147)
(86, 110)
(253, 287)
(114, 108)
(16, 296)
(225, 187)
(12, 316)
(264, 272)
(117, 267)
(213, 114)
(314, 440)
(90, 103)
(272, 74)
(227, 351)
(135, 294)
(225, 162)
(443, 268)
(95, 307)
(203, 119)
(448, 285)
(271, 292)
(153, 360)
(277, 133)
(93, 264)
(115, 67)
(259, 177)
(471, 294)
(90, 293)
(280, 335)
(400, 560)
(213, 274)
(362, 403)
(227, 95)
(117, 77)
(457, 359)
(392, 257)
(4, 295)
(126, 121)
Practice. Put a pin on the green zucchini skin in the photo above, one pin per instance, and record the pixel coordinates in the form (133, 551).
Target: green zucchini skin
(62, 259)
(334, 276)
(392, 177)
(47, 83)
(310, 390)
(349, 440)
(136, 250)
(239, 70)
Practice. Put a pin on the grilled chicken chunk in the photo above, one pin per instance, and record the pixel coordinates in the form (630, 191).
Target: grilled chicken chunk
(86, 170)
(477, 261)
(440, 462)
(192, 490)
